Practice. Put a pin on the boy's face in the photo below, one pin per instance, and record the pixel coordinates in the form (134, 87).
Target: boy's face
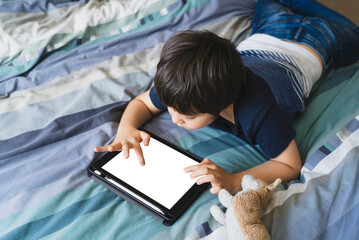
(191, 122)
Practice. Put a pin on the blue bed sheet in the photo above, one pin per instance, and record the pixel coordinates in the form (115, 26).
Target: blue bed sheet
(68, 70)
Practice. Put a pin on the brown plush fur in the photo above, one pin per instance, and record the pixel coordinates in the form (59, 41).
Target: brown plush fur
(248, 206)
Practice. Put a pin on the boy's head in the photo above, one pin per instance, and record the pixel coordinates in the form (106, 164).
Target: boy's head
(199, 72)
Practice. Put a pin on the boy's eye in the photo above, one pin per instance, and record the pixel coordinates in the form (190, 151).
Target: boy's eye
(189, 117)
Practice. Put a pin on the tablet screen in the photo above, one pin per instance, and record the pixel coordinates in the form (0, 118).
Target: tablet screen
(162, 178)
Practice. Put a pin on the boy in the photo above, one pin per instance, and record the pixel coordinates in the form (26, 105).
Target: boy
(203, 80)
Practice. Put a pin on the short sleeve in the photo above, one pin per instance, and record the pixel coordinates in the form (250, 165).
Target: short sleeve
(156, 100)
(273, 132)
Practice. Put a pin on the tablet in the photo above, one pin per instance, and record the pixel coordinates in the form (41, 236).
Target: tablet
(161, 187)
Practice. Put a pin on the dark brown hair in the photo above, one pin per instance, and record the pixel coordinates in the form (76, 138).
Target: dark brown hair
(199, 72)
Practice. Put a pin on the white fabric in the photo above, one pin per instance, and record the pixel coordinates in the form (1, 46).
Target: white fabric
(306, 61)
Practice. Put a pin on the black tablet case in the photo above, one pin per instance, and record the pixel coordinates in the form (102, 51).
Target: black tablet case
(165, 219)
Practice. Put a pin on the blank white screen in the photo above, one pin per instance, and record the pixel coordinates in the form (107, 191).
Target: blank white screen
(162, 178)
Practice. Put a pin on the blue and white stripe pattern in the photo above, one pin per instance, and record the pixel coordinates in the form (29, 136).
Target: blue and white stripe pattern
(327, 192)
(294, 71)
(333, 143)
(67, 71)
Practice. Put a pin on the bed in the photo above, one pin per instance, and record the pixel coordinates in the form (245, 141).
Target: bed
(67, 71)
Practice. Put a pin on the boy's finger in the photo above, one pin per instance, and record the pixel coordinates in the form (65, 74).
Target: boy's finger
(114, 147)
(125, 150)
(205, 179)
(139, 154)
(145, 138)
(201, 172)
(199, 166)
(215, 189)
(191, 168)
(206, 161)
(102, 149)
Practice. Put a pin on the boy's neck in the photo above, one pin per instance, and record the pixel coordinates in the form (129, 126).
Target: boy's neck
(228, 113)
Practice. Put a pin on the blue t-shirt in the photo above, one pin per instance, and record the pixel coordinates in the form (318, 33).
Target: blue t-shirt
(258, 117)
(281, 78)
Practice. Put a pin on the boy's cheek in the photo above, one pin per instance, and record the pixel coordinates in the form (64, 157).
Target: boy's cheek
(194, 126)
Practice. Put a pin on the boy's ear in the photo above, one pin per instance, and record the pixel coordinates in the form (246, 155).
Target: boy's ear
(229, 106)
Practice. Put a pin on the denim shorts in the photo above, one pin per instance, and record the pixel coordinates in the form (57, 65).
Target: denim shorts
(332, 36)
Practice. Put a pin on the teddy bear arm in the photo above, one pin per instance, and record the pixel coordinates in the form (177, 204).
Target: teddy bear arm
(225, 197)
(256, 231)
(218, 214)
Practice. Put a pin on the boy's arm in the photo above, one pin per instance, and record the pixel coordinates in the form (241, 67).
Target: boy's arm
(138, 112)
(285, 166)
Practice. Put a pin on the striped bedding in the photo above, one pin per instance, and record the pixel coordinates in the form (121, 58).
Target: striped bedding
(67, 71)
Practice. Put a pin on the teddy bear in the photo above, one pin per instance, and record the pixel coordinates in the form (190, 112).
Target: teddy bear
(242, 218)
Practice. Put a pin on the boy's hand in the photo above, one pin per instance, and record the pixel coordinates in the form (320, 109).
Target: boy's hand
(125, 140)
(207, 171)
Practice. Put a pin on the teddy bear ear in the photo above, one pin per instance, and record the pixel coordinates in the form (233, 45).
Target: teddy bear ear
(249, 182)
(274, 185)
